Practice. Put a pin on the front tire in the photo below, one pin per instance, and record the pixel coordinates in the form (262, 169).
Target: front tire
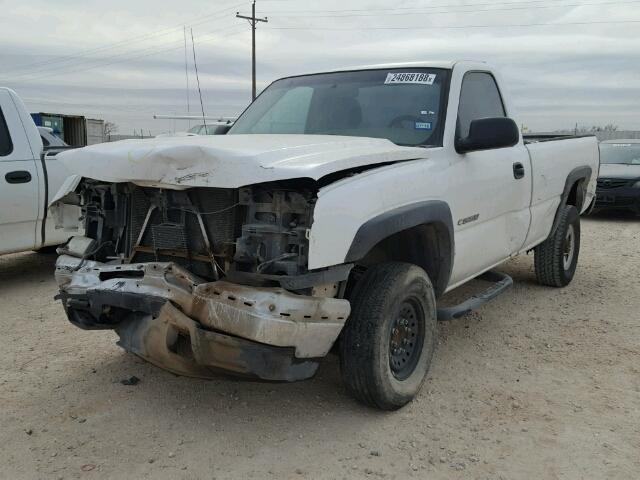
(556, 258)
(389, 339)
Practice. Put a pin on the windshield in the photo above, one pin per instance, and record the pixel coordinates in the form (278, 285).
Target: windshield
(405, 106)
(622, 153)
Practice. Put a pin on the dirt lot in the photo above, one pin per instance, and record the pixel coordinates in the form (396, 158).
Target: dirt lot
(541, 383)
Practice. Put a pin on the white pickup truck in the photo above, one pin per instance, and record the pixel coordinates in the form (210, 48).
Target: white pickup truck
(338, 209)
(29, 176)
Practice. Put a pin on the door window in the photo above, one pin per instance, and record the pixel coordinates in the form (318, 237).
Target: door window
(6, 147)
(479, 98)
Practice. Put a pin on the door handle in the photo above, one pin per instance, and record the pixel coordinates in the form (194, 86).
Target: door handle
(518, 170)
(19, 176)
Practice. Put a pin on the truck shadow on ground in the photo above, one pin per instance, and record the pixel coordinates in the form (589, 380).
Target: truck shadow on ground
(193, 405)
(304, 399)
(613, 216)
(19, 270)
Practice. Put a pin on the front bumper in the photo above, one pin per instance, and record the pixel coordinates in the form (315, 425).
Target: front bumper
(174, 320)
(623, 198)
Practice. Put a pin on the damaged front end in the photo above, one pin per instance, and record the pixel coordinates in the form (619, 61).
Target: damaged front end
(204, 280)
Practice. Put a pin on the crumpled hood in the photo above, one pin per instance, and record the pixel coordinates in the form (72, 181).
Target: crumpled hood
(617, 170)
(230, 161)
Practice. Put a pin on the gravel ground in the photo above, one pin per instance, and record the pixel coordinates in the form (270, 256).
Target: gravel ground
(540, 383)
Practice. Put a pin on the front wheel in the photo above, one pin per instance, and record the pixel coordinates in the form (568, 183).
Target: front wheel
(556, 258)
(389, 339)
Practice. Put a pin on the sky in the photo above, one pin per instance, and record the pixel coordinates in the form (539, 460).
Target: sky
(562, 61)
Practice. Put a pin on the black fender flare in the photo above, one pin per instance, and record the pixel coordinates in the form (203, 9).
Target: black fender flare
(579, 173)
(394, 221)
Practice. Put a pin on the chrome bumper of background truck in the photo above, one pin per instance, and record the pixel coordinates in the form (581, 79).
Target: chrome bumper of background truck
(190, 327)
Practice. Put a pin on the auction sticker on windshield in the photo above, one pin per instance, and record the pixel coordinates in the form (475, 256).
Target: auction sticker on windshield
(403, 78)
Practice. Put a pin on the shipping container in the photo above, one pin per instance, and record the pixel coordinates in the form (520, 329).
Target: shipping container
(95, 131)
(75, 130)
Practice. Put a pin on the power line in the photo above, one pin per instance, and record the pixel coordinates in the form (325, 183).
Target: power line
(62, 70)
(90, 61)
(195, 65)
(450, 12)
(446, 27)
(253, 21)
(80, 61)
(201, 19)
(163, 50)
(186, 68)
(418, 7)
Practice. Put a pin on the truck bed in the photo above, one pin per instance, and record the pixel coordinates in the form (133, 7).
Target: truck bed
(555, 163)
(550, 137)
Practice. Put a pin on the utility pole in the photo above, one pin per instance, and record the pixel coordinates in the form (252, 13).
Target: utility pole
(253, 21)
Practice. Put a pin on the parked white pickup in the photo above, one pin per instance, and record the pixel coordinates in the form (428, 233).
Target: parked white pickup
(28, 177)
(339, 206)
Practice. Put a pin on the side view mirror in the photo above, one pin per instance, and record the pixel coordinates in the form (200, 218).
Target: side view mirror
(488, 133)
(223, 129)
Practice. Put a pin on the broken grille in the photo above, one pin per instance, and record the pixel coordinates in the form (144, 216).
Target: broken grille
(173, 231)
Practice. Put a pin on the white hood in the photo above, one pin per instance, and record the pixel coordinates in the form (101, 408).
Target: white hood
(230, 161)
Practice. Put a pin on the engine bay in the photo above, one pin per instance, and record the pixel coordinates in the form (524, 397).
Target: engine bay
(212, 232)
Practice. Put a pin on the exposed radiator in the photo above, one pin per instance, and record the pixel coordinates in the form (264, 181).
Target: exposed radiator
(173, 232)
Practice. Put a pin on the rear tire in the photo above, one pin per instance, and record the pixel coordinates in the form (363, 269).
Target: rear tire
(556, 258)
(389, 339)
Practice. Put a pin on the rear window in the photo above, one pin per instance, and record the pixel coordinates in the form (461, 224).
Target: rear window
(6, 147)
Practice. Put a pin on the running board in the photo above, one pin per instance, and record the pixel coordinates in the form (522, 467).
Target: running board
(501, 282)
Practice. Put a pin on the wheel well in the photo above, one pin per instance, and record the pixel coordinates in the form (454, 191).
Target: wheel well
(577, 194)
(429, 246)
(574, 193)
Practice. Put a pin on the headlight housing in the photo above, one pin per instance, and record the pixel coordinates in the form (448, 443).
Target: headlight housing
(637, 184)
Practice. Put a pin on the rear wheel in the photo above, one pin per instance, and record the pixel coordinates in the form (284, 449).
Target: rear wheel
(556, 258)
(389, 339)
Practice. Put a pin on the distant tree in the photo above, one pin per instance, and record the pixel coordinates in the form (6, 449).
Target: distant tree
(109, 129)
(595, 128)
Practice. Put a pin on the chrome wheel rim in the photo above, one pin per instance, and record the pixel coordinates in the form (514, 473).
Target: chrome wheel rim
(569, 248)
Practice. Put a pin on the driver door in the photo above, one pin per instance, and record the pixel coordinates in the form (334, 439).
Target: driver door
(491, 206)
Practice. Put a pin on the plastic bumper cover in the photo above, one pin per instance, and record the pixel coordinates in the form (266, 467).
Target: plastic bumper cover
(618, 198)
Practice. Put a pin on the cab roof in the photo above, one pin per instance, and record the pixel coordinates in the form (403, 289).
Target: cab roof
(444, 64)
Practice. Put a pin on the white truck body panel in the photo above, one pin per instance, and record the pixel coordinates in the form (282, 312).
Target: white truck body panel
(511, 215)
(23, 203)
(552, 162)
(280, 235)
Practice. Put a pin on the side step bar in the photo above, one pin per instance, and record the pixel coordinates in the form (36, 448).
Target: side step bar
(501, 283)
